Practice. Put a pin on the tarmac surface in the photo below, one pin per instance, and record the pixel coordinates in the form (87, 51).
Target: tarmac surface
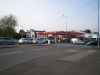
(74, 61)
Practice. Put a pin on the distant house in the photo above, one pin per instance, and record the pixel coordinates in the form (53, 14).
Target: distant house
(34, 34)
(91, 36)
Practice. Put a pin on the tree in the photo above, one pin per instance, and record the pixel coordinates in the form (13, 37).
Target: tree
(22, 33)
(8, 21)
(7, 26)
(87, 31)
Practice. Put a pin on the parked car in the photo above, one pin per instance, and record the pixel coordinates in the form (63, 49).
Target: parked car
(52, 41)
(79, 42)
(39, 41)
(92, 43)
(25, 41)
(7, 41)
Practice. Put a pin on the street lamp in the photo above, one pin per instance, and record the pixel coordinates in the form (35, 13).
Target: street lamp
(66, 26)
(98, 23)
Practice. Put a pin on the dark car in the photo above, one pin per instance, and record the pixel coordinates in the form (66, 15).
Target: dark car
(7, 41)
(92, 43)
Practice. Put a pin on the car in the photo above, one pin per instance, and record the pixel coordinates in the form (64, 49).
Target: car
(52, 41)
(39, 41)
(25, 41)
(7, 41)
(92, 43)
(79, 42)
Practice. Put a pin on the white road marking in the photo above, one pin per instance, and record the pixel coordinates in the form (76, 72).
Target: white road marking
(8, 53)
(3, 67)
(72, 50)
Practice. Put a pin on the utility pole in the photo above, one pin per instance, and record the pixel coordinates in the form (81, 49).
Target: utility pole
(98, 23)
(66, 27)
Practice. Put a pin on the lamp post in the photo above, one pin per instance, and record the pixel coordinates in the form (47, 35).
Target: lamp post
(98, 23)
(66, 26)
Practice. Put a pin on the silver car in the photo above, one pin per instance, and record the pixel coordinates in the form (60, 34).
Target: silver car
(25, 41)
(7, 41)
(39, 41)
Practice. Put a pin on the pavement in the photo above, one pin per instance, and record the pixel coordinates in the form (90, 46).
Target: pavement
(74, 61)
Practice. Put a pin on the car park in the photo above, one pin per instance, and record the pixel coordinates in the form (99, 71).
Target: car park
(7, 41)
(25, 41)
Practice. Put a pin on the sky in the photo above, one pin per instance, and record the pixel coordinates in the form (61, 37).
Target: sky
(48, 14)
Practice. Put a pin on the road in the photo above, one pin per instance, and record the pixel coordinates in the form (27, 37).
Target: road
(10, 57)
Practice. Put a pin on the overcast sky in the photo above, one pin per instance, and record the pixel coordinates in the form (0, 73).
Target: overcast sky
(47, 14)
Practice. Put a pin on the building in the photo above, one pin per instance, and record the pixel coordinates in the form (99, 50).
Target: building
(54, 35)
(91, 36)
(61, 35)
(34, 34)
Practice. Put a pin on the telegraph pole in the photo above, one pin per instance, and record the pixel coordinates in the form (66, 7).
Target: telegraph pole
(66, 27)
(98, 24)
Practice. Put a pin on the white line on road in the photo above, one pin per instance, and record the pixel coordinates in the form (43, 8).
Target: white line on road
(72, 50)
(8, 53)
(3, 67)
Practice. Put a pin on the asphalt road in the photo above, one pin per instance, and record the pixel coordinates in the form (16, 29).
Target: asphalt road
(12, 56)
(42, 57)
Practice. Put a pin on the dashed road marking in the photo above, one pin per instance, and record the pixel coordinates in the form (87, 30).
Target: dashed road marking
(72, 50)
(8, 53)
